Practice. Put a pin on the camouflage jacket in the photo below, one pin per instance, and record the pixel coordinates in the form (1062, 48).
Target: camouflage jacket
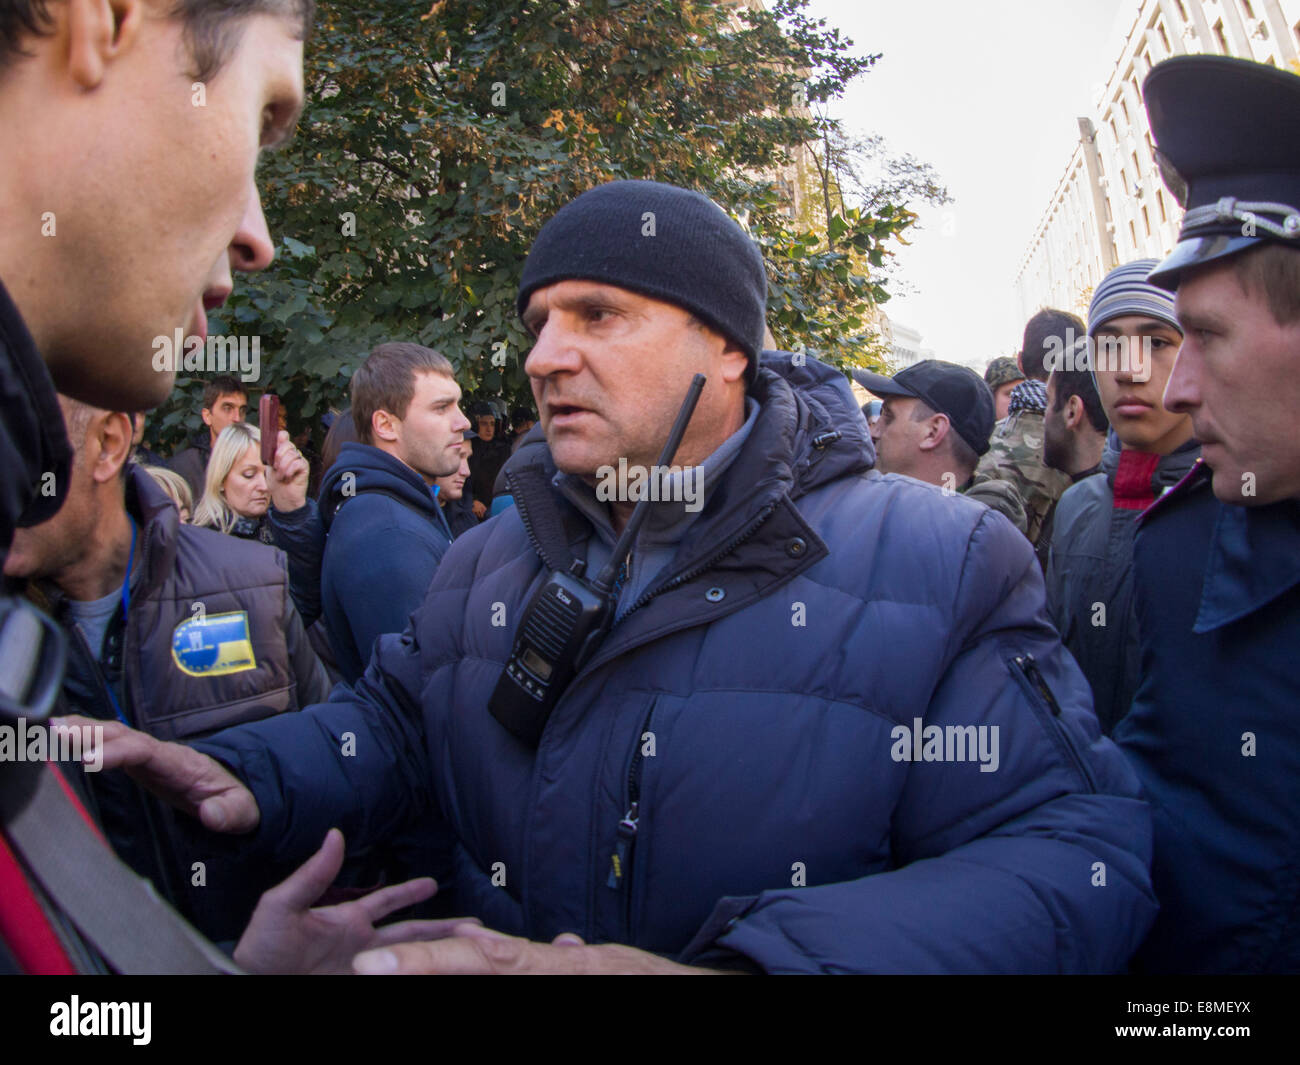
(1000, 496)
(1016, 455)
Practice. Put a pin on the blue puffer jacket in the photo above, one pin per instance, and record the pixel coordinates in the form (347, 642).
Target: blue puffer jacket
(385, 535)
(778, 823)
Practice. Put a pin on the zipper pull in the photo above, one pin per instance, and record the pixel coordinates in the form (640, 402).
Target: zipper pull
(626, 832)
(1040, 683)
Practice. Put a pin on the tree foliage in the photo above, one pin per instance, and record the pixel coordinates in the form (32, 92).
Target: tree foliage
(436, 143)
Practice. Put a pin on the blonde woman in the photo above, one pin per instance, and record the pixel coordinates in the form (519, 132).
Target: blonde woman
(176, 488)
(236, 493)
(240, 497)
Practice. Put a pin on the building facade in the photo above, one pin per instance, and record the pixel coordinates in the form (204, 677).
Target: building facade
(1110, 206)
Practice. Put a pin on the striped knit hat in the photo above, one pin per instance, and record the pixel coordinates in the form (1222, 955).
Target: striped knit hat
(1125, 290)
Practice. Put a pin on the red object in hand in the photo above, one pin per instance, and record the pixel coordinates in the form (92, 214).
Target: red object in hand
(268, 422)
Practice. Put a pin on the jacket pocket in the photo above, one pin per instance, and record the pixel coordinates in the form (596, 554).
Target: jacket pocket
(1032, 682)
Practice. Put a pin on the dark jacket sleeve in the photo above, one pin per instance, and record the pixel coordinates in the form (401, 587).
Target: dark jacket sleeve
(380, 564)
(300, 534)
(312, 682)
(357, 762)
(1041, 865)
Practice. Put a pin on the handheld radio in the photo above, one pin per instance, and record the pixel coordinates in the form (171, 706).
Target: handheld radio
(567, 618)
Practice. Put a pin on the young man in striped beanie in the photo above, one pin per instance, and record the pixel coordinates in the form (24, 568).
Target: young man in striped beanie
(1133, 338)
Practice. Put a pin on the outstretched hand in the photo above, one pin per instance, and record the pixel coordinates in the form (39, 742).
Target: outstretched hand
(179, 775)
(286, 935)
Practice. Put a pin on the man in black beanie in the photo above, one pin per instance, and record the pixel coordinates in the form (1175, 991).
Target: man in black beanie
(735, 775)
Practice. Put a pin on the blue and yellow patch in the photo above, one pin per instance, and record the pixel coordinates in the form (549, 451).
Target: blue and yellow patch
(214, 645)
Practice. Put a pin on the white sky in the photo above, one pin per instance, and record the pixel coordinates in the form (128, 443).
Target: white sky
(987, 91)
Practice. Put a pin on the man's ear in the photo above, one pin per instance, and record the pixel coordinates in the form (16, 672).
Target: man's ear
(383, 426)
(937, 427)
(1074, 412)
(734, 362)
(112, 433)
(97, 32)
(206, 415)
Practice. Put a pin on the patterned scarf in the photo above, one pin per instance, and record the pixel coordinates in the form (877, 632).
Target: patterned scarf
(1028, 395)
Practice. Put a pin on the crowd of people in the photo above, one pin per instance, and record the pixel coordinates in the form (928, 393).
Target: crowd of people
(991, 674)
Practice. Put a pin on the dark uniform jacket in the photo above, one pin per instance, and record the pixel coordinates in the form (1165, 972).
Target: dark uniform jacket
(1214, 731)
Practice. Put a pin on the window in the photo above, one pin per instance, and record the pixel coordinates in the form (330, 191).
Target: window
(1220, 38)
(1247, 9)
(1123, 181)
(1164, 37)
(1146, 221)
(1124, 108)
(1160, 202)
(1137, 170)
(1109, 217)
(1137, 89)
(1115, 133)
(1182, 11)
(1133, 234)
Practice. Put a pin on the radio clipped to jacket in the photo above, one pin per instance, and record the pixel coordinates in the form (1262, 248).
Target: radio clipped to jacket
(568, 617)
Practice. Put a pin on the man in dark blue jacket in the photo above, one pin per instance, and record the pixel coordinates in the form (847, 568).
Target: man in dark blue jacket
(385, 531)
(831, 728)
(1214, 731)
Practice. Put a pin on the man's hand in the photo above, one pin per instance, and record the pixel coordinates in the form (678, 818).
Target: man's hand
(177, 774)
(286, 935)
(480, 509)
(473, 950)
(287, 477)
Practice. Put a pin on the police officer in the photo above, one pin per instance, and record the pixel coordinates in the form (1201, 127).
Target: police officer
(1213, 728)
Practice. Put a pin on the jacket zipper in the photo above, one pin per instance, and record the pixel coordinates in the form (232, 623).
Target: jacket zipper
(691, 574)
(620, 862)
(1033, 678)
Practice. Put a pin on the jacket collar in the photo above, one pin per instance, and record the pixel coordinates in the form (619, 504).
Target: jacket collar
(33, 442)
(804, 435)
(1169, 470)
(159, 525)
(1254, 557)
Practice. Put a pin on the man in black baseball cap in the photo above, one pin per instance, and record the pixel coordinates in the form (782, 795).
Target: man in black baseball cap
(934, 426)
(1212, 730)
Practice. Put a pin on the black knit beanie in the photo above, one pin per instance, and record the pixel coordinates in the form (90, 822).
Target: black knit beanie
(664, 242)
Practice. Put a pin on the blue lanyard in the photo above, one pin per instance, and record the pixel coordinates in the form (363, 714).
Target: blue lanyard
(126, 606)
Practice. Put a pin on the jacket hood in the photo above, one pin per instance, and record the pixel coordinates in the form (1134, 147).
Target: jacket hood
(1171, 468)
(364, 468)
(817, 400)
